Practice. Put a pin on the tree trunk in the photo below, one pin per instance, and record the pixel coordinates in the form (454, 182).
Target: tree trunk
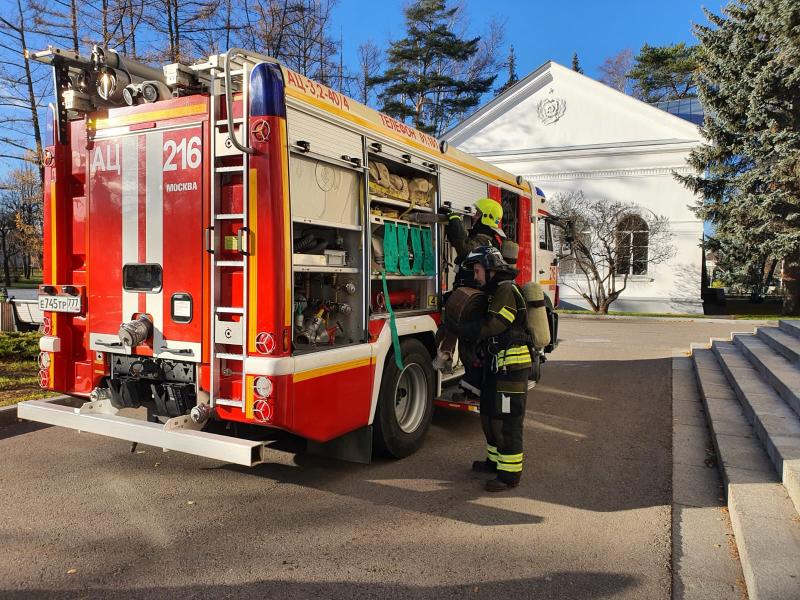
(37, 135)
(6, 267)
(74, 15)
(791, 284)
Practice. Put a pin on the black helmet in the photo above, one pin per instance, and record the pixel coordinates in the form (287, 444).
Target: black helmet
(490, 257)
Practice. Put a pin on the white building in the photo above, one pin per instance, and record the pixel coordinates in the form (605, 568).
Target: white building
(566, 132)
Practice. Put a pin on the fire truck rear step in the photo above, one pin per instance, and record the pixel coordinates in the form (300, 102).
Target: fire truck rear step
(445, 400)
(93, 417)
(230, 310)
(230, 216)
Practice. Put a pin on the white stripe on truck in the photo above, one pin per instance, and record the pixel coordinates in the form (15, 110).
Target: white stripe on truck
(154, 228)
(130, 217)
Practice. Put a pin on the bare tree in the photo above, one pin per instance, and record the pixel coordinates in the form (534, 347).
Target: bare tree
(22, 88)
(181, 27)
(58, 20)
(296, 32)
(615, 70)
(613, 241)
(370, 63)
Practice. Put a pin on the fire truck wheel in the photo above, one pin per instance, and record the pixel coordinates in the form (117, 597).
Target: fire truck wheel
(405, 403)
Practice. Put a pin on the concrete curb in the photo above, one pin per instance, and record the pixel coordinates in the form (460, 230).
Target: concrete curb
(8, 414)
(762, 514)
(704, 557)
(755, 322)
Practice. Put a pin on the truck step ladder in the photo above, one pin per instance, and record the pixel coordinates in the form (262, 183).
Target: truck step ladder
(227, 77)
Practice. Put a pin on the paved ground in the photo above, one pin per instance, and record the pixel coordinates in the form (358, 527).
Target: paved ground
(86, 518)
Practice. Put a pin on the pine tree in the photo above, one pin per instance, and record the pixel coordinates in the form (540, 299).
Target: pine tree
(748, 178)
(511, 64)
(664, 73)
(576, 65)
(428, 80)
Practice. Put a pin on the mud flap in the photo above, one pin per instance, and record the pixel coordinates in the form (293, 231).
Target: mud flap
(355, 446)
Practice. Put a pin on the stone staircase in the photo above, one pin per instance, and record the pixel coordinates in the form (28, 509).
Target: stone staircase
(750, 386)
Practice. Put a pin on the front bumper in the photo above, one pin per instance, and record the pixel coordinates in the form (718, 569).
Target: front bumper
(100, 417)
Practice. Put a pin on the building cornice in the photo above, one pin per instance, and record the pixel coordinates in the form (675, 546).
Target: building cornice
(609, 173)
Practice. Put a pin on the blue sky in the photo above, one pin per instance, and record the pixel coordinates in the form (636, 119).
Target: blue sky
(541, 31)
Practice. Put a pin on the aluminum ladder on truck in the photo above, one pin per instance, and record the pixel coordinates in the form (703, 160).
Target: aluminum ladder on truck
(231, 76)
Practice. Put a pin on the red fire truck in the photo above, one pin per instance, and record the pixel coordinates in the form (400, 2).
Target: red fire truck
(230, 243)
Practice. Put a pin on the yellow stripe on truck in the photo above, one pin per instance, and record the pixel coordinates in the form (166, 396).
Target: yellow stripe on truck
(400, 138)
(252, 249)
(331, 369)
(287, 228)
(153, 115)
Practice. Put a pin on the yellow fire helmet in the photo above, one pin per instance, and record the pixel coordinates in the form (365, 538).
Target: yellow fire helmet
(491, 213)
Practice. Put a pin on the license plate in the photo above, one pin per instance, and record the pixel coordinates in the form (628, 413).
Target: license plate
(69, 304)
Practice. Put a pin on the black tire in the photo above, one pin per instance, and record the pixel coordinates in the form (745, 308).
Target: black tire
(403, 414)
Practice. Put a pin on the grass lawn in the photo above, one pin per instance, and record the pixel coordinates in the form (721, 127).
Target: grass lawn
(23, 283)
(19, 380)
(19, 369)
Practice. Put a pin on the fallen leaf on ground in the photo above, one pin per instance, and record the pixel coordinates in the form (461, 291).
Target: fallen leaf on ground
(72, 571)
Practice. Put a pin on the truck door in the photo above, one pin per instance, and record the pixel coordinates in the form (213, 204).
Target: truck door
(146, 239)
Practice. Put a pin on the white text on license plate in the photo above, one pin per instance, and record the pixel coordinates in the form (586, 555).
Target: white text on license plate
(70, 304)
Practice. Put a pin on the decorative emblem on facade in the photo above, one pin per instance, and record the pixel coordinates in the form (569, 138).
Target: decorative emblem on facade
(551, 110)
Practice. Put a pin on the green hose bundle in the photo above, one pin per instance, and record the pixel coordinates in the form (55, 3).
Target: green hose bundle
(428, 258)
(390, 247)
(402, 249)
(416, 248)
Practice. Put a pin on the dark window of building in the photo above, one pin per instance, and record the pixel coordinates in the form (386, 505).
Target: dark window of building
(632, 245)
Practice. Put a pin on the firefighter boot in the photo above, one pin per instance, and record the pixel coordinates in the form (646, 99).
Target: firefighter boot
(484, 466)
(501, 485)
(489, 464)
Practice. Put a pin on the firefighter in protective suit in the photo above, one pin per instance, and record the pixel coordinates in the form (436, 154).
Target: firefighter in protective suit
(485, 231)
(502, 339)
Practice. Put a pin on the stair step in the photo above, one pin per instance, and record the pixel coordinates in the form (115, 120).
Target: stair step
(230, 310)
(229, 356)
(783, 343)
(765, 522)
(790, 326)
(779, 372)
(230, 216)
(775, 424)
(230, 263)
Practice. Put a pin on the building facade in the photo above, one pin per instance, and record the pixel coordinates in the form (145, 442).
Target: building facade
(566, 132)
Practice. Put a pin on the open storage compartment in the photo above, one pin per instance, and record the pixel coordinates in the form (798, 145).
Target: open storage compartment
(403, 246)
(327, 251)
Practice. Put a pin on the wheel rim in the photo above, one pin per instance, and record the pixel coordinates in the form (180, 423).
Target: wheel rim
(410, 397)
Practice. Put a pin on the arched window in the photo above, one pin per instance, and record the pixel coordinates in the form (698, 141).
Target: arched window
(632, 240)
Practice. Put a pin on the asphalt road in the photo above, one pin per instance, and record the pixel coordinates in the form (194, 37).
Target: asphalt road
(85, 518)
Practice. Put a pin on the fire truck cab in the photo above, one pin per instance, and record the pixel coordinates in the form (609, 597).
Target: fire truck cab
(232, 243)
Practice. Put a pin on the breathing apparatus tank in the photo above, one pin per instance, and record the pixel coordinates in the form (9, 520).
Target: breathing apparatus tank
(536, 312)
